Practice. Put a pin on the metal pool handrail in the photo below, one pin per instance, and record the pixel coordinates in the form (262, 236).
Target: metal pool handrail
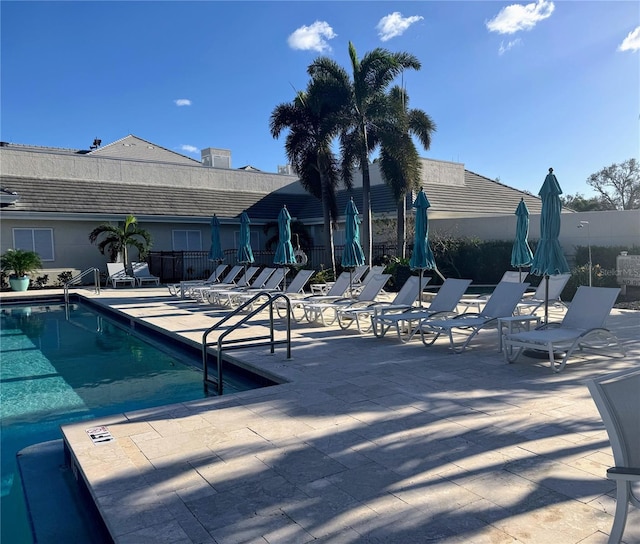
(239, 343)
(96, 280)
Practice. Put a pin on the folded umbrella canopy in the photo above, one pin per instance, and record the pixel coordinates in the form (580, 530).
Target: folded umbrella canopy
(422, 257)
(549, 258)
(352, 254)
(521, 254)
(284, 252)
(215, 251)
(245, 254)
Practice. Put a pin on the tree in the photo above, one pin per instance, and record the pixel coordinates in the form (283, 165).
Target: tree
(314, 120)
(618, 185)
(400, 163)
(579, 203)
(117, 239)
(370, 78)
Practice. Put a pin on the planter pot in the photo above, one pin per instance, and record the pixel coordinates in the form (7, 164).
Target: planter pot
(19, 284)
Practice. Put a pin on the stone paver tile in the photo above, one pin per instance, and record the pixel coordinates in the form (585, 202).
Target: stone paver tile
(223, 475)
(169, 532)
(560, 522)
(302, 464)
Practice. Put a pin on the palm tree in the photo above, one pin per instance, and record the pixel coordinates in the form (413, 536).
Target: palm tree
(370, 78)
(117, 239)
(400, 163)
(314, 119)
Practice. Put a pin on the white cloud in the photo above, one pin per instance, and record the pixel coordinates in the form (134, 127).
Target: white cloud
(518, 17)
(632, 41)
(395, 24)
(189, 148)
(509, 45)
(312, 37)
(183, 102)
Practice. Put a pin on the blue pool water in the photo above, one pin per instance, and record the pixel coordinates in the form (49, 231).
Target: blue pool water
(60, 366)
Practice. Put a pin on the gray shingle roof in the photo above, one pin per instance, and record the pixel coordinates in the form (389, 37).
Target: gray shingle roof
(83, 197)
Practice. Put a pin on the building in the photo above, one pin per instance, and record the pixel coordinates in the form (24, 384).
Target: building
(53, 198)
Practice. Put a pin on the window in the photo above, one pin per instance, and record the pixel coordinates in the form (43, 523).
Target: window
(38, 240)
(187, 240)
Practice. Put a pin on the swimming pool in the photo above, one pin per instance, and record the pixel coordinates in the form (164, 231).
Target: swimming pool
(63, 364)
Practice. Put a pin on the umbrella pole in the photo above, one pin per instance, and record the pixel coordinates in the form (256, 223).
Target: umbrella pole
(284, 279)
(351, 282)
(520, 273)
(420, 288)
(546, 299)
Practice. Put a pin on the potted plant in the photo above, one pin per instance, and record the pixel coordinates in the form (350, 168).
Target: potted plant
(20, 263)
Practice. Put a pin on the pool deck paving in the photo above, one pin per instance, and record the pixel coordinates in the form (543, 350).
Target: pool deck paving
(366, 440)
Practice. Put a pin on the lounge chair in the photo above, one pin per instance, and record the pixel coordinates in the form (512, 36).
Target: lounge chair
(176, 289)
(360, 312)
(354, 278)
(317, 310)
(142, 275)
(271, 285)
(225, 297)
(229, 280)
(358, 285)
(617, 399)
(244, 281)
(405, 322)
(530, 304)
(297, 300)
(479, 301)
(295, 287)
(581, 329)
(502, 303)
(117, 275)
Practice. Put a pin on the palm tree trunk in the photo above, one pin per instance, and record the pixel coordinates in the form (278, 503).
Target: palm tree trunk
(329, 252)
(401, 240)
(367, 243)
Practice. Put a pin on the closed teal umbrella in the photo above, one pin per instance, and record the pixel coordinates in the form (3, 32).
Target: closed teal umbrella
(422, 257)
(549, 258)
(215, 251)
(352, 254)
(245, 254)
(284, 252)
(521, 254)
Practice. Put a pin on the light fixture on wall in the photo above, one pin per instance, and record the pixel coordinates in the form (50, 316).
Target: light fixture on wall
(581, 226)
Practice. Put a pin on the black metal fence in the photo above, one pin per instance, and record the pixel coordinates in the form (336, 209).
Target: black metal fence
(175, 266)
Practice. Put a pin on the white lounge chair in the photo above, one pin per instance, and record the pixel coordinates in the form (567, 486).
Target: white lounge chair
(405, 322)
(142, 275)
(502, 303)
(227, 282)
(294, 288)
(244, 281)
(360, 312)
(529, 304)
(238, 297)
(225, 297)
(479, 301)
(318, 310)
(118, 275)
(176, 289)
(354, 278)
(582, 328)
(618, 400)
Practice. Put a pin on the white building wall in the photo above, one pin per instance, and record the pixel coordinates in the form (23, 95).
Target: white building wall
(606, 228)
(42, 165)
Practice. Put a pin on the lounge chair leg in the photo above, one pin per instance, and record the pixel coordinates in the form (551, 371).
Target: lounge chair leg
(622, 507)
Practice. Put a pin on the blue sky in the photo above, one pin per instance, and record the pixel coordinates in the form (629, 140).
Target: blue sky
(514, 88)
